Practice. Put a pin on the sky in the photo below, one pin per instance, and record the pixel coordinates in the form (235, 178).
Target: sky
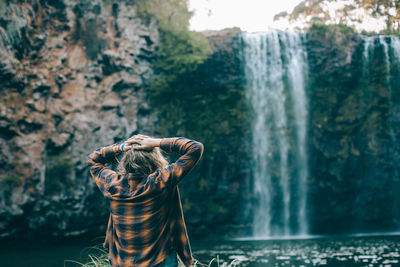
(257, 15)
(249, 15)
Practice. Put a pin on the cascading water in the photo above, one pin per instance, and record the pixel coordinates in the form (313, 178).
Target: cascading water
(368, 41)
(395, 120)
(297, 69)
(386, 50)
(275, 70)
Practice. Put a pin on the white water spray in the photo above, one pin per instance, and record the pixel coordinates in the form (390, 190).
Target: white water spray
(275, 67)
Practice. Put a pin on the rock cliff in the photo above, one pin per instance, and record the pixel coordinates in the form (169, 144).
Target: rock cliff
(354, 133)
(71, 80)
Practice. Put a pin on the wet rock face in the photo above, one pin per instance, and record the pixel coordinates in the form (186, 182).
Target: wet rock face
(71, 80)
(354, 132)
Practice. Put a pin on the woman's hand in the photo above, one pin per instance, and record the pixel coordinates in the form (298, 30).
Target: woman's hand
(141, 142)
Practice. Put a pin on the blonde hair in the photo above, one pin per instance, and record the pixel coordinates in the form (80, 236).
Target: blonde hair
(141, 162)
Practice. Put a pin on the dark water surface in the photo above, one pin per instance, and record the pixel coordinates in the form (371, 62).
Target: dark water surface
(323, 251)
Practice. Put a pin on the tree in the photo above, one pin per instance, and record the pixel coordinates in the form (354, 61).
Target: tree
(384, 8)
(383, 14)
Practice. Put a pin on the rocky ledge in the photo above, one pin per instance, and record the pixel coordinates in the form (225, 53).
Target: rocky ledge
(72, 77)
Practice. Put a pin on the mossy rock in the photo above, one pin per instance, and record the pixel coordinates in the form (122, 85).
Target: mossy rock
(58, 175)
(11, 180)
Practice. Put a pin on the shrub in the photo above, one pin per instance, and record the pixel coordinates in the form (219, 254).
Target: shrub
(180, 50)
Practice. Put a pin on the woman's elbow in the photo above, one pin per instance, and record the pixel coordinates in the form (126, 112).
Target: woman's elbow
(199, 148)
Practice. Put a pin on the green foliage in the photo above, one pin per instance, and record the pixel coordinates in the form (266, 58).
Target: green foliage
(168, 13)
(11, 180)
(199, 95)
(180, 50)
(58, 174)
(189, 96)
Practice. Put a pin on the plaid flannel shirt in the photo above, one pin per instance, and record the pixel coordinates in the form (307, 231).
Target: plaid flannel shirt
(146, 220)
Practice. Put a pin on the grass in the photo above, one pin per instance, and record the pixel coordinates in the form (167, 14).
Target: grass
(101, 260)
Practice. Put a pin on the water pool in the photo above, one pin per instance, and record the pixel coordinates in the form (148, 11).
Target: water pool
(322, 251)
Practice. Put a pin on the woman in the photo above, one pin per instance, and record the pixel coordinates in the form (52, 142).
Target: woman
(146, 225)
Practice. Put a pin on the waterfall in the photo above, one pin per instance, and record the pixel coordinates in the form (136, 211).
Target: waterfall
(368, 41)
(385, 46)
(394, 122)
(390, 51)
(390, 46)
(275, 68)
(395, 116)
(297, 69)
(395, 41)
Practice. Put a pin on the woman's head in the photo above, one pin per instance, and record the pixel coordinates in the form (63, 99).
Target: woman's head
(141, 162)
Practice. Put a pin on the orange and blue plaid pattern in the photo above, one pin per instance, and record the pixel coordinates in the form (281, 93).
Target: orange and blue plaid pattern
(146, 221)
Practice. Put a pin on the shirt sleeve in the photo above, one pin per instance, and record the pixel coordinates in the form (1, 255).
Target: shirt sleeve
(190, 151)
(104, 177)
